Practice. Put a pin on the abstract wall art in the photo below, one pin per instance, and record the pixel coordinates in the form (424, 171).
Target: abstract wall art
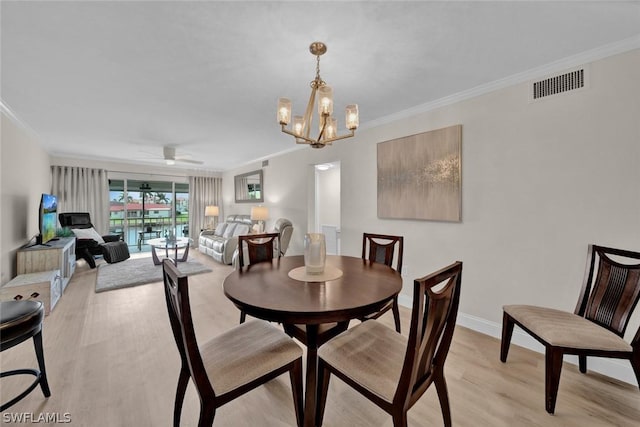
(420, 176)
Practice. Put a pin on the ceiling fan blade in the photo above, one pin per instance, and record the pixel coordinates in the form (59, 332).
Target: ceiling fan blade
(183, 160)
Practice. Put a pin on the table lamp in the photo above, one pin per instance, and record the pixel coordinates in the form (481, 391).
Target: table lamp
(212, 211)
(260, 214)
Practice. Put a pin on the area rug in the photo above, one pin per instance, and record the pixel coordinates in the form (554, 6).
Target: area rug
(138, 271)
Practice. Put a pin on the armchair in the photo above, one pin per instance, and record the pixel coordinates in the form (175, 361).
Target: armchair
(89, 243)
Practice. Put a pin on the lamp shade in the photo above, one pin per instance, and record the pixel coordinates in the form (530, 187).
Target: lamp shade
(211, 211)
(259, 213)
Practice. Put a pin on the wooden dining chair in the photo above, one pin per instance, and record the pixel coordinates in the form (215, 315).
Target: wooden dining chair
(381, 248)
(260, 248)
(389, 369)
(608, 296)
(230, 364)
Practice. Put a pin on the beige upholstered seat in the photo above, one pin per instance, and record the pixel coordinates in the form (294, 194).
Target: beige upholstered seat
(391, 370)
(246, 353)
(231, 364)
(382, 348)
(610, 292)
(564, 329)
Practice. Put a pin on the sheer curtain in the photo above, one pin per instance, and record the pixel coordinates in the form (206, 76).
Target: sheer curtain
(203, 191)
(83, 190)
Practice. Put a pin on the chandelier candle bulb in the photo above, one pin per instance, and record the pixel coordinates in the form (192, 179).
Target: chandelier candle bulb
(284, 111)
(298, 125)
(352, 116)
(331, 129)
(325, 102)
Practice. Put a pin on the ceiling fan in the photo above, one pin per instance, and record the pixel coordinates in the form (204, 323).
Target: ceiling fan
(170, 157)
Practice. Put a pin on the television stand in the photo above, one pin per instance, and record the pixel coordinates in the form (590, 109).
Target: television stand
(55, 255)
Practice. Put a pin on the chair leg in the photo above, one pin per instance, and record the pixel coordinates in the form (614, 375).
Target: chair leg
(443, 396)
(553, 368)
(396, 314)
(207, 413)
(635, 364)
(400, 418)
(44, 384)
(507, 332)
(183, 382)
(582, 364)
(323, 388)
(243, 316)
(296, 386)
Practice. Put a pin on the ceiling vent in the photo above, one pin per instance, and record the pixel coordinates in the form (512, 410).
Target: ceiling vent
(561, 83)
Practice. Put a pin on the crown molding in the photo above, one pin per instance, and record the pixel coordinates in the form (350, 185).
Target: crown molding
(592, 55)
(7, 111)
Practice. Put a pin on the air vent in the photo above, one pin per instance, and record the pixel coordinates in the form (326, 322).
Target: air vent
(558, 84)
(265, 163)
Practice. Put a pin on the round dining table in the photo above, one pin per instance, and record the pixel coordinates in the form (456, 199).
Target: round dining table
(267, 291)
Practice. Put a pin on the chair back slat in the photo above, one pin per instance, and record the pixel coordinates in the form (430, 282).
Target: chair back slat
(176, 289)
(615, 291)
(380, 248)
(435, 307)
(260, 248)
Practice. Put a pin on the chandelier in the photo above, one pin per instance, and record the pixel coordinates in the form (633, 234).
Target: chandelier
(328, 125)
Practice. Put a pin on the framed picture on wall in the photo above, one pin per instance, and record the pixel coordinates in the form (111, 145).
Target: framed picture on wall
(420, 176)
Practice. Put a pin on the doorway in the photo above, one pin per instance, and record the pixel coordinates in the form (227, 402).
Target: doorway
(327, 204)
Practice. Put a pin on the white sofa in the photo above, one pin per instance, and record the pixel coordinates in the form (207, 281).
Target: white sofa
(221, 243)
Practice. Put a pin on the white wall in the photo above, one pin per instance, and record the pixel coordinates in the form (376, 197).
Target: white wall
(25, 175)
(540, 180)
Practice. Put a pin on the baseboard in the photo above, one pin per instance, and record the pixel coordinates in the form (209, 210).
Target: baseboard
(615, 368)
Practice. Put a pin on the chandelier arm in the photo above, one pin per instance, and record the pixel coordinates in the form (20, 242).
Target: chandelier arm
(308, 114)
(337, 138)
(323, 118)
(313, 141)
(302, 137)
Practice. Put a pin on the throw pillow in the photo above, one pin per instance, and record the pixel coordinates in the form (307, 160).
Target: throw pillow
(228, 232)
(220, 229)
(241, 230)
(88, 233)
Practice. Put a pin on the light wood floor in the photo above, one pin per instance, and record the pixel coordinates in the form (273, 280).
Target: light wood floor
(112, 361)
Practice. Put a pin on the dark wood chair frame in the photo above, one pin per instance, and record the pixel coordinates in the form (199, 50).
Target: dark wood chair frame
(260, 248)
(177, 297)
(611, 310)
(433, 321)
(376, 251)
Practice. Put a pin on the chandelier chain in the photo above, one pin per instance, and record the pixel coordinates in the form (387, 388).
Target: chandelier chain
(317, 82)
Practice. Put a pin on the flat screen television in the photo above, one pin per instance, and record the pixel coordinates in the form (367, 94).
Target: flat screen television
(48, 218)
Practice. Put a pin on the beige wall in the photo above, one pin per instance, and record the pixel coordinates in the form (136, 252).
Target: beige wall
(25, 176)
(541, 181)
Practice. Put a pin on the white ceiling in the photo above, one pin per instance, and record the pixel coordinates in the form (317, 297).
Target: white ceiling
(115, 80)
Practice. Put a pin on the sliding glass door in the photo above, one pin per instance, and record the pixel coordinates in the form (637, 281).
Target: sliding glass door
(143, 210)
